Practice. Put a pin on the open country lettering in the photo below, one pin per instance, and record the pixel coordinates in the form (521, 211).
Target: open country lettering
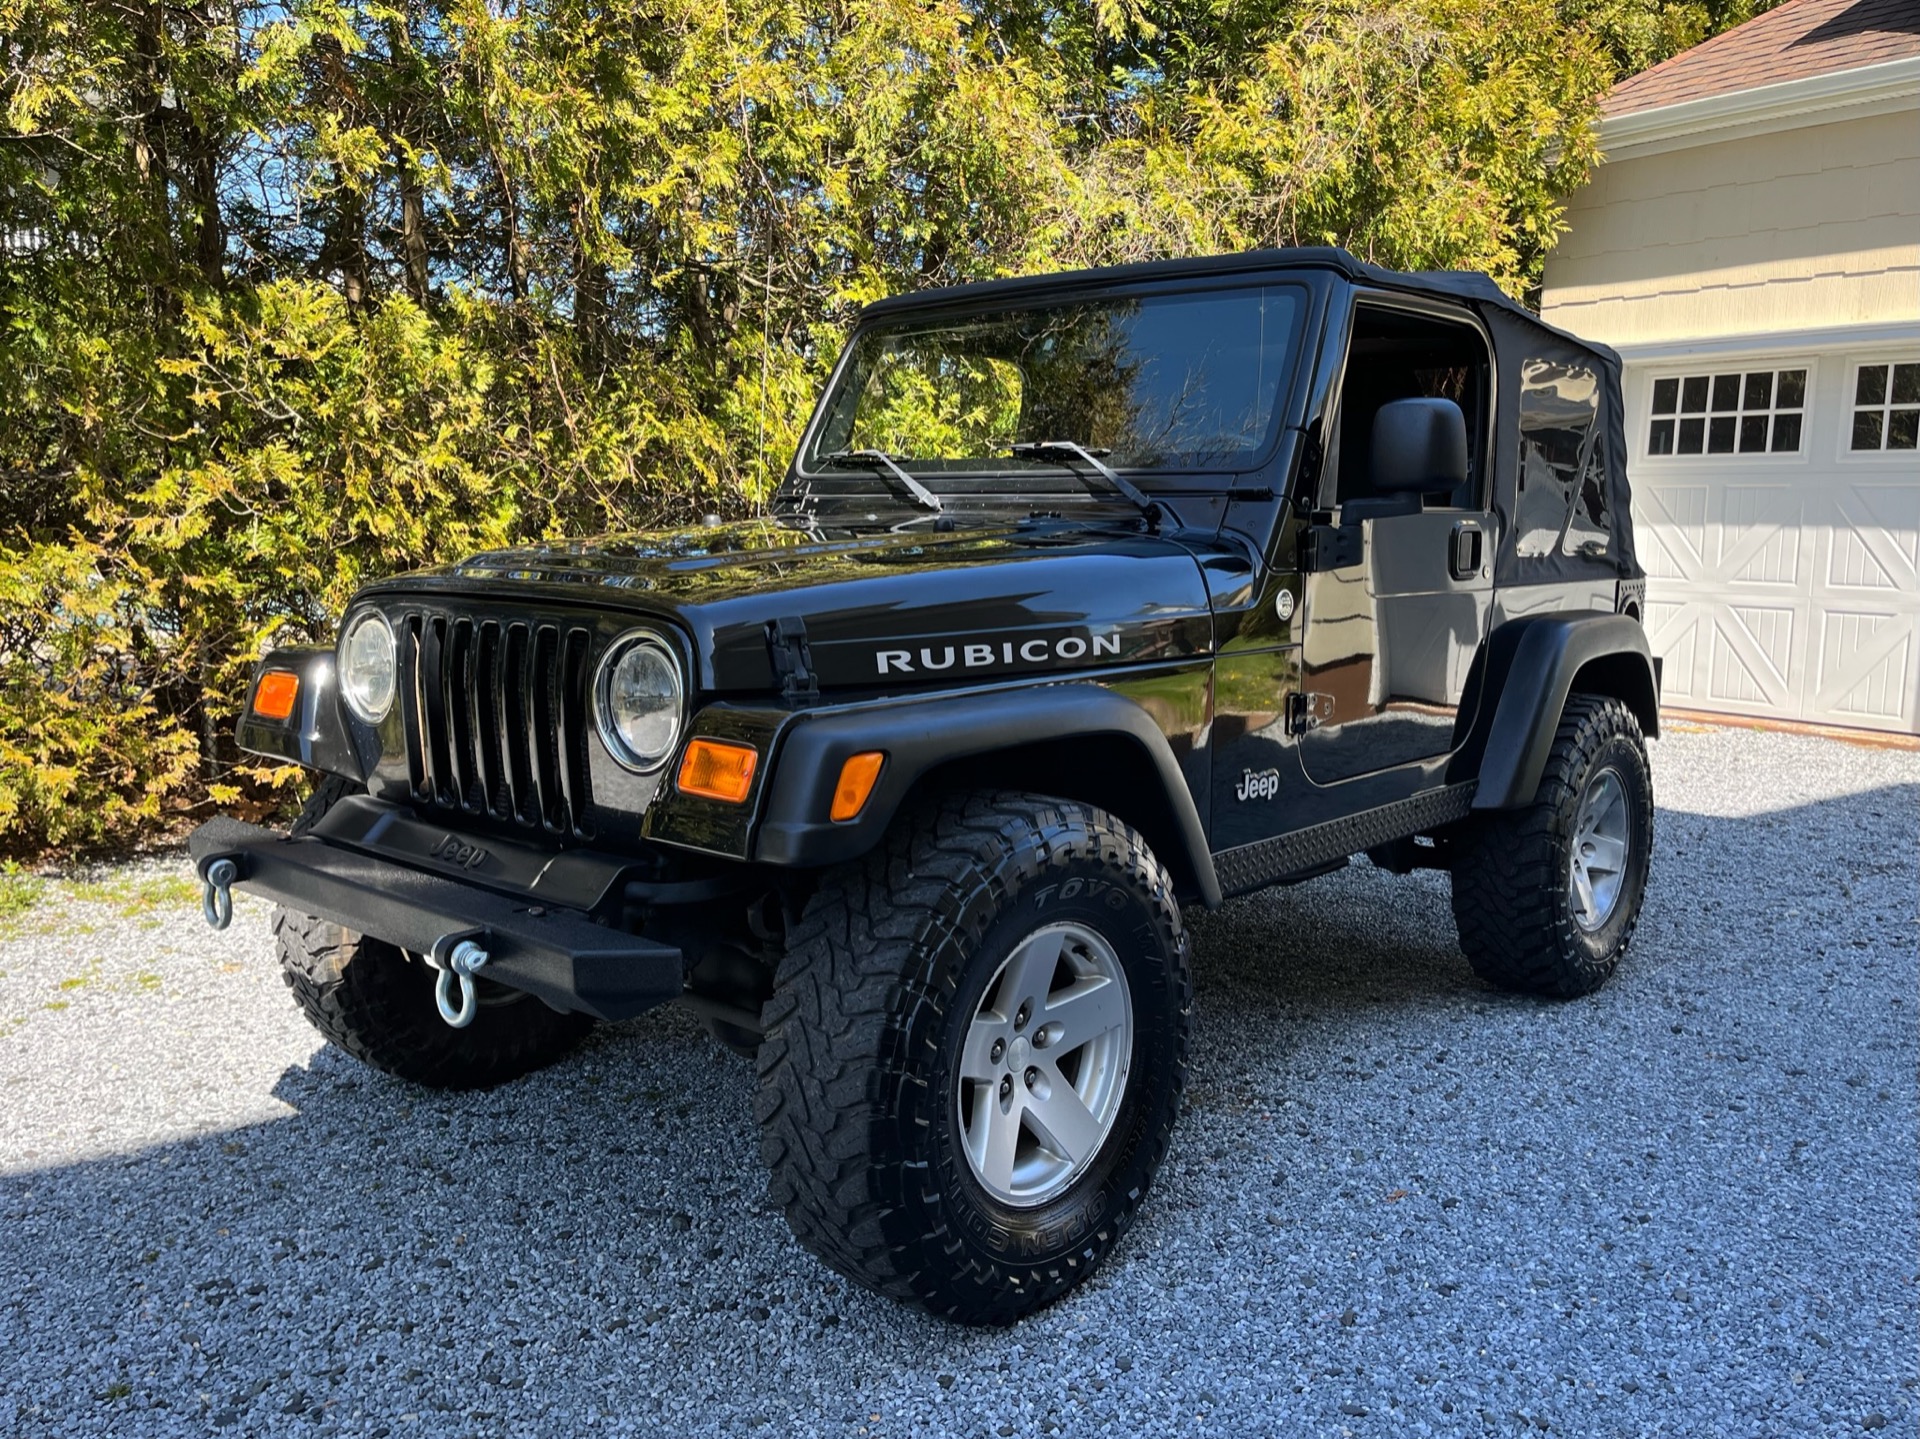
(1007, 652)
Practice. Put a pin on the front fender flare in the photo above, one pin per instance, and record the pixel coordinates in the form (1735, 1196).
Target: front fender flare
(920, 735)
(317, 734)
(1531, 666)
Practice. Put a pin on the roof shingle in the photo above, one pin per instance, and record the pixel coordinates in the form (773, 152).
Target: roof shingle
(1794, 41)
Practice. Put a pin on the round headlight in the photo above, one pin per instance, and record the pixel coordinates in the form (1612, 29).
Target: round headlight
(638, 701)
(367, 666)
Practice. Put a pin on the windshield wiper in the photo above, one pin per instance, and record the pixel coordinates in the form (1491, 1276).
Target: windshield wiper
(1063, 451)
(881, 463)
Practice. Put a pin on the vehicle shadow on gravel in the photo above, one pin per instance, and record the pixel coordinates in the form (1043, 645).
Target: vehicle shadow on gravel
(1384, 1168)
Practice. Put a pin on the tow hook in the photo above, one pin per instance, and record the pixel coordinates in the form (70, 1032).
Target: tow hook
(216, 897)
(462, 963)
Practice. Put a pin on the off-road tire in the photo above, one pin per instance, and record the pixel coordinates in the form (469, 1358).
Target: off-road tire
(884, 971)
(373, 1001)
(1511, 898)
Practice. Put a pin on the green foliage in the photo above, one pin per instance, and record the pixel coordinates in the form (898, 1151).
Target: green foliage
(295, 294)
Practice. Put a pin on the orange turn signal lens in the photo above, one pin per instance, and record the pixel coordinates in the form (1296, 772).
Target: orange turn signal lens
(714, 769)
(857, 777)
(273, 697)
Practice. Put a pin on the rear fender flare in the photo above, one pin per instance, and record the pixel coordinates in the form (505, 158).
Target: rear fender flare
(922, 736)
(1531, 666)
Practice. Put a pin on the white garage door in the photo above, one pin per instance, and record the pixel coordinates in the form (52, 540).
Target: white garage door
(1777, 510)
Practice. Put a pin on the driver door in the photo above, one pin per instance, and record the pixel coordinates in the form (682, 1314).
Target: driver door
(1399, 592)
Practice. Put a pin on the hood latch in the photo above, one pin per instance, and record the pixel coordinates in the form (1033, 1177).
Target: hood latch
(792, 660)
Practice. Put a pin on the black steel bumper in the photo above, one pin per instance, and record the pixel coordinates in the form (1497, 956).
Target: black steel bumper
(558, 955)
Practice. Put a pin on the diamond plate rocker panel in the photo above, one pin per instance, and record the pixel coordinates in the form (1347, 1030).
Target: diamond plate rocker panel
(1251, 866)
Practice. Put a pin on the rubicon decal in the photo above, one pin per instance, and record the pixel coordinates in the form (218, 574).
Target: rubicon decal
(1039, 652)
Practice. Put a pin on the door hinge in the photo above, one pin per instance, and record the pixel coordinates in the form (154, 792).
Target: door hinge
(1327, 547)
(792, 660)
(1306, 710)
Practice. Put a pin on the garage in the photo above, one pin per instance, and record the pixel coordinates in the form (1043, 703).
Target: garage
(1752, 249)
(1778, 501)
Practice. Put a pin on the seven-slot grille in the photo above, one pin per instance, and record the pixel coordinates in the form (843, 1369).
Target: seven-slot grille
(497, 718)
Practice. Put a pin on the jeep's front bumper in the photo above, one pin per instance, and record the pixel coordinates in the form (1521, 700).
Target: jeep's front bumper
(549, 950)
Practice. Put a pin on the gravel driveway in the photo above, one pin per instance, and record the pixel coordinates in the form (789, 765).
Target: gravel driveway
(1398, 1203)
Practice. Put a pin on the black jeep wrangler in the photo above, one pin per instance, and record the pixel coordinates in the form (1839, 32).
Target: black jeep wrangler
(1087, 597)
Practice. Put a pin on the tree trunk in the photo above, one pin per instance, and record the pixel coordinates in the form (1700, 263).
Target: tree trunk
(413, 229)
(589, 288)
(201, 171)
(150, 151)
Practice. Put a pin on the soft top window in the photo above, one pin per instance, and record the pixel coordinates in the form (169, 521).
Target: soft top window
(1183, 381)
(1562, 478)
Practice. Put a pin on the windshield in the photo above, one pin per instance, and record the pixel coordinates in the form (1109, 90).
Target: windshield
(1157, 382)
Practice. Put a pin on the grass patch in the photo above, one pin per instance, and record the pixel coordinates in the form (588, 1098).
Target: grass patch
(134, 897)
(19, 893)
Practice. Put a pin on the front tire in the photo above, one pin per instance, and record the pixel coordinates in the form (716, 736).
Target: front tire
(975, 1052)
(372, 1000)
(1547, 897)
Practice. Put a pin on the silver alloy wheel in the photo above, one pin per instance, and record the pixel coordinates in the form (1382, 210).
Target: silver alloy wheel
(1597, 858)
(1044, 1066)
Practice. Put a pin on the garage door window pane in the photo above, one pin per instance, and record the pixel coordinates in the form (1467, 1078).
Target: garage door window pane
(1886, 406)
(1748, 412)
(1903, 428)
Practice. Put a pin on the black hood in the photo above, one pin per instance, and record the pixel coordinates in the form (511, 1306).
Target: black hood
(889, 610)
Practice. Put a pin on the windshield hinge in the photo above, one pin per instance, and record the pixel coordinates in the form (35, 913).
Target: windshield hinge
(792, 660)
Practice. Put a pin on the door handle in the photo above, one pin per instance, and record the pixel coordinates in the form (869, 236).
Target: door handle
(1463, 562)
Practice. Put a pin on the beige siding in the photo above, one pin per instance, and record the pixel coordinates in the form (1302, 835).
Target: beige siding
(1804, 228)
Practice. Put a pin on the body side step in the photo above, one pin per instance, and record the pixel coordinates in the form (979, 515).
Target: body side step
(1304, 853)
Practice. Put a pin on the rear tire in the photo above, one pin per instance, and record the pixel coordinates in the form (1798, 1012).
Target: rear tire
(933, 981)
(1544, 902)
(375, 1002)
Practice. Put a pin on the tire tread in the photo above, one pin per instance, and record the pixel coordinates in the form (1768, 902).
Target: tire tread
(1507, 901)
(835, 1062)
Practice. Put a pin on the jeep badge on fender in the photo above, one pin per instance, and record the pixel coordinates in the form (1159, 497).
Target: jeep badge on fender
(1087, 598)
(1264, 785)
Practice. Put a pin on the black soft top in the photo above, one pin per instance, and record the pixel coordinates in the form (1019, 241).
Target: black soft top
(1453, 284)
(1529, 354)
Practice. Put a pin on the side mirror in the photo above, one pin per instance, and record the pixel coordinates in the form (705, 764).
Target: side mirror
(1419, 447)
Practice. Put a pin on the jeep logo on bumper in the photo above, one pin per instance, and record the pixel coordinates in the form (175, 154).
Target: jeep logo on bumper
(454, 850)
(1039, 653)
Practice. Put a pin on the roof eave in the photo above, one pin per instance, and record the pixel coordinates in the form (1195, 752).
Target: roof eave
(1891, 86)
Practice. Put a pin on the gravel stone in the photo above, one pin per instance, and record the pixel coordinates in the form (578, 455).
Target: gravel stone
(208, 1219)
